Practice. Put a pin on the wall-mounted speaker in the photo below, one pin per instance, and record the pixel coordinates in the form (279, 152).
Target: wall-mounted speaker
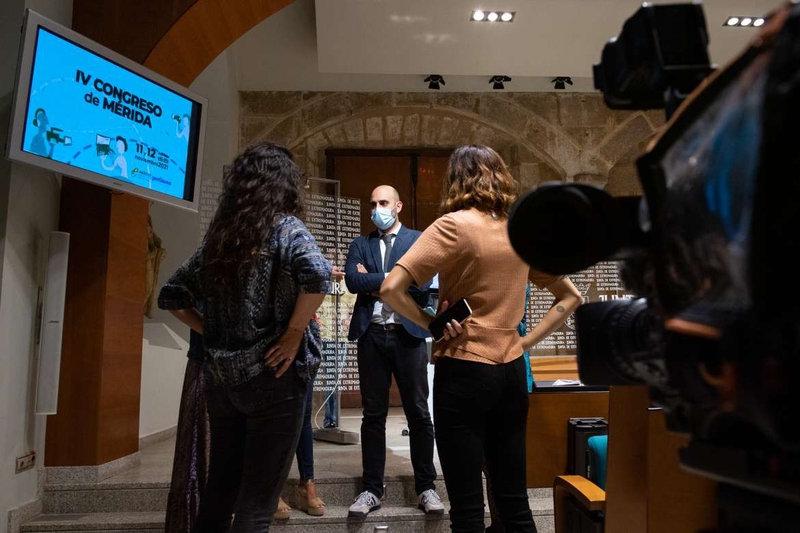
(52, 325)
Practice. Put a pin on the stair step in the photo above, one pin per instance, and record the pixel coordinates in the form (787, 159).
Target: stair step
(150, 521)
(152, 496)
(97, 499)
(400, 519)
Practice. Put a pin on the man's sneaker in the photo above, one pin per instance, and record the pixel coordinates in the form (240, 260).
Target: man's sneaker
(430, 502)
(365, 503)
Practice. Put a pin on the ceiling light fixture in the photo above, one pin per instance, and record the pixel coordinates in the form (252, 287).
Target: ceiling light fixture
(744, 22)
(433, 81)
(498, 81)
(559, 82)
(493, 16)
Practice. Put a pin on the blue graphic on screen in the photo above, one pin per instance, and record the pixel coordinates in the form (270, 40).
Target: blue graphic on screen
(85, 111)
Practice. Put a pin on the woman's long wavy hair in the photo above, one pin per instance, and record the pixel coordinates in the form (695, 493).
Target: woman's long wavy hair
(478, 178)
(262, 186)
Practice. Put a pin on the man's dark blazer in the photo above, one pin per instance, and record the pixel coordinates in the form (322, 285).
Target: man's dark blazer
(366, 250)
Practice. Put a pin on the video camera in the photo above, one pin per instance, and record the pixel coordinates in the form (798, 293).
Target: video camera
(56, 135)
(708, 251)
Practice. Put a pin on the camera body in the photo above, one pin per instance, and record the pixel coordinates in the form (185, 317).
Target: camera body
(712, 332)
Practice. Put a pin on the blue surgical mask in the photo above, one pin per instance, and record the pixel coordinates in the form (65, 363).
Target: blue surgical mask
(383, 218)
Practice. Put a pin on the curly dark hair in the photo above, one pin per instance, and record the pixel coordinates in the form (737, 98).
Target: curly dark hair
(477, 178)
(262, 186)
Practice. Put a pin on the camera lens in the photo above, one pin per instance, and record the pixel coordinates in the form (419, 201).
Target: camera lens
(619, 344)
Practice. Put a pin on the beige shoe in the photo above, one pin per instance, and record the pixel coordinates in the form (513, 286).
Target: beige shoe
(314, 506)
(283, 512)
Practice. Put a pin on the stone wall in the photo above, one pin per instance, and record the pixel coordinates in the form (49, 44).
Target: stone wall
(542, 136)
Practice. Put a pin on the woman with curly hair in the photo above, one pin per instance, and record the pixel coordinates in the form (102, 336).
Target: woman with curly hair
(480, 392)
(260, 277)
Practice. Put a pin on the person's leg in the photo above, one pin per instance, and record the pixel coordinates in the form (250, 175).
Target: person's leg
(496, 525)
(190, 461)
(308, 500)
(305, 446)
(505, 452)
(274, 409)
(375, 380)
(330, 410)
(228, 427)
(461, 392)
(409, 359)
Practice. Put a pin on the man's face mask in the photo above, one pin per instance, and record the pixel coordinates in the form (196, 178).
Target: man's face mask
(384, 218)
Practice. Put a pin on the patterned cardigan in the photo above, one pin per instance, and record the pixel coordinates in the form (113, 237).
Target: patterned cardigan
(237, 333)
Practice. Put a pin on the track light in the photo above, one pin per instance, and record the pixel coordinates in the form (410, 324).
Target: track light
(433, 81)
(559, 82)
(498, 81)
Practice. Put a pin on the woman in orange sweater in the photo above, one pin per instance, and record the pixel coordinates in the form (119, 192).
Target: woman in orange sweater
(480, 390)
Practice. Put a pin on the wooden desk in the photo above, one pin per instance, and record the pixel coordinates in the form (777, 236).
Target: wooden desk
(553, 368)
(548, 416)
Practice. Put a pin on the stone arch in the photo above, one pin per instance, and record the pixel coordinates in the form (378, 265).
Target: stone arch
(311, 124)
(542, 136)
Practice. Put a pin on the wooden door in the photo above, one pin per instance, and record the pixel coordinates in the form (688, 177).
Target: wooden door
(431, 175)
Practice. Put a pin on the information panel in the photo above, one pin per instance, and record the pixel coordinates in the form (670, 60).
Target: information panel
(334, 229)
(596, 284)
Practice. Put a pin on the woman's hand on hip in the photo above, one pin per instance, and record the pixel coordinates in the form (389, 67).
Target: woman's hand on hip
(282, 354)
(454, 327)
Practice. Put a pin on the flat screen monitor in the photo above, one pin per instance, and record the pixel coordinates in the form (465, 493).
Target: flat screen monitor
(87, 112)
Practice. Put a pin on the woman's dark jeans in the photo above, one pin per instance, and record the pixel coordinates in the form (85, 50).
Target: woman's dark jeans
(481, 411)
(305, 447)
(254, 432)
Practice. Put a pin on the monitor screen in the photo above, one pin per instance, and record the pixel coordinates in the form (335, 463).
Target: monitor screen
(86, 114)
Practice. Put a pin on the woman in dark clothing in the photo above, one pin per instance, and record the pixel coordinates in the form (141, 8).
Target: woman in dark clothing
(190, 466)
(261, 277)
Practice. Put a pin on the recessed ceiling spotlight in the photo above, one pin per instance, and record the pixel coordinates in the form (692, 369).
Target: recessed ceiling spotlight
(492, 16)
(744, 22)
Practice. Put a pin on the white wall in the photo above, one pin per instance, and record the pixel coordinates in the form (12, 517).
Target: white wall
(29, 203)
(166, 339)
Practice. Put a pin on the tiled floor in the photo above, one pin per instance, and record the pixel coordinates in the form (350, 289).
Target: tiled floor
(330, 460)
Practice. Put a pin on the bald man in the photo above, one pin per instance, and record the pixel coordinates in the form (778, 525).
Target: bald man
(389, 345)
